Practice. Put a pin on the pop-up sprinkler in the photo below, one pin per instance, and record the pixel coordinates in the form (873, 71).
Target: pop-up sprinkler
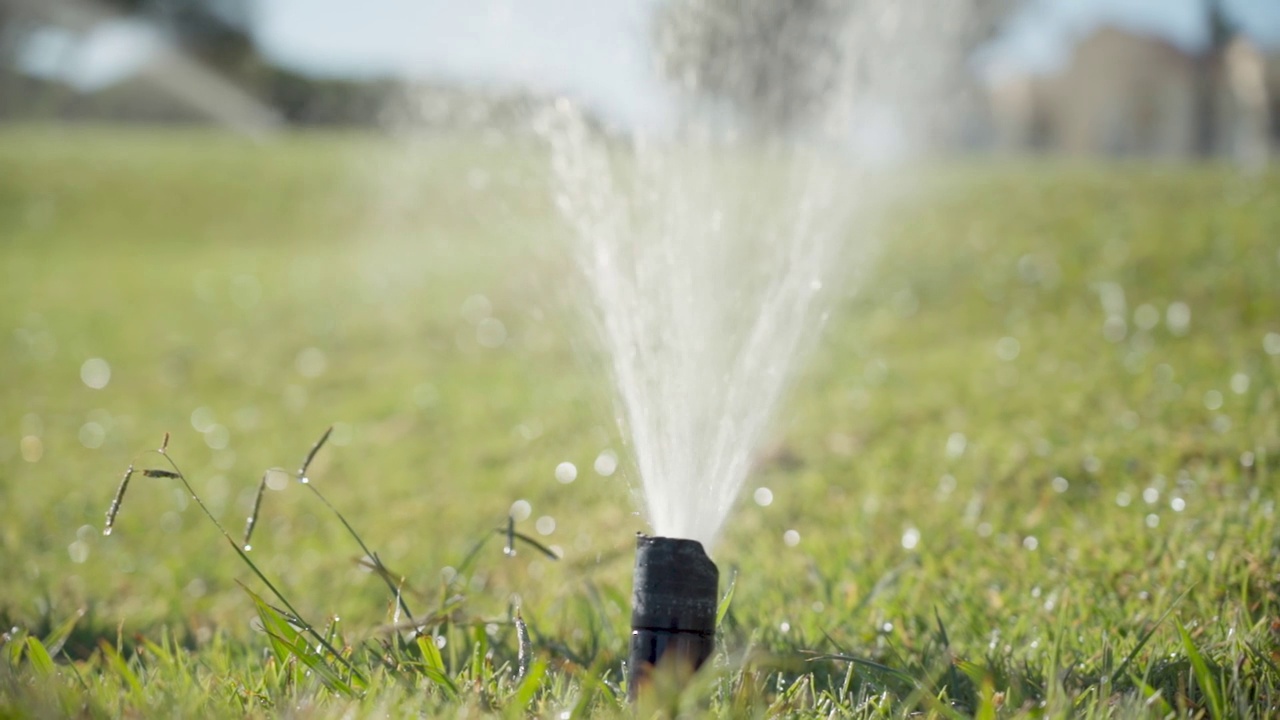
(673, 606)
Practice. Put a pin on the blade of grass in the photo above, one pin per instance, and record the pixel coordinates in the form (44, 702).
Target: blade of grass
(288, 642)
(117, 663)
(1204, 678)
(39, 657)
(1142, 642)
(723, 608)
(529, 686)
(302, 478)
(513, 535)
(308, 627)
(58, 636)
(433, 666)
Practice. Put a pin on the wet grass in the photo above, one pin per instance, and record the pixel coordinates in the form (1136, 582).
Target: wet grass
(1030, 471)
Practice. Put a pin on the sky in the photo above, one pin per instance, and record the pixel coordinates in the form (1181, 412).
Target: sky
(598, 50)
(594, 50)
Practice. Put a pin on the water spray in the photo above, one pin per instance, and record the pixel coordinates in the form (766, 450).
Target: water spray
(673, 607)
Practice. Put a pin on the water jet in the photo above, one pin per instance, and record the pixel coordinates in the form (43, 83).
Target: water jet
(712, 247)
(673, 601)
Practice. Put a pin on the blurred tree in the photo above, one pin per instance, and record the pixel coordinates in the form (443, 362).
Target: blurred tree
(1209, 80)
(216, 31)
(775, 64)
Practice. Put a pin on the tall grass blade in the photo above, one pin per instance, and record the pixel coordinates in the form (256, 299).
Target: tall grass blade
(58, 636)
(723, 608)
(529, 685)
(433, 666)
(39, 657)
(1142, 641)
(1204, 677)
(114, 509)
(121, 667)
(287, 641)
(253, 516)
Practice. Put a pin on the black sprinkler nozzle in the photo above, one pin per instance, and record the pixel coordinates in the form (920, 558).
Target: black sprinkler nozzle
(673, 606)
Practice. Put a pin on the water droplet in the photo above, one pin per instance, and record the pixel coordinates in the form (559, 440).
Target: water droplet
(1153, 520)
(1271, 343)
(95, 373)
(946, 485)
(785, 627)
(566, 472)
(1123, 499)
(1246, 459)
(491, 333)
(32, 448)
(311, 362)
(1213, 400)
(1007, 348)
(202, 418)
(1146, 316)
(1178, 504)
(247, 548)
(476, 308)
(79, 551)
(1060, 485)
(606, 463)
(92, 435)
(545, 525)
(304, 480)
(277, 479)
(1178, 318)
(763, 496)
(1114, 328)
(910, 538)
(217, 436)
(107, 530)
(791, 538)
(887, 627)
(956, 444)
(1239, 383)
(1151, 495)
(521, 510)
(1030, 542)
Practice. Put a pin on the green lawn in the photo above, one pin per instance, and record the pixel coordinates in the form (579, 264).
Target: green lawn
(1007, 505)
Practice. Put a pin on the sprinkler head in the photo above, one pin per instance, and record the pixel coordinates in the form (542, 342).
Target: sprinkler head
(673, 607)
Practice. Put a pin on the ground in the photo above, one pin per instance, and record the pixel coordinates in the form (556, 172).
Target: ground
(1029, 471)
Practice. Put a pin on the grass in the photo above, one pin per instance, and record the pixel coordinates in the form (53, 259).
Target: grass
(1005, 506)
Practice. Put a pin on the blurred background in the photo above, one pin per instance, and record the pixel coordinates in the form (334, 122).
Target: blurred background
(1146, 78)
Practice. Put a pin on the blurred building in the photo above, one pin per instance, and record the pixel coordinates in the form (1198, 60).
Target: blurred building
(1122, 92)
